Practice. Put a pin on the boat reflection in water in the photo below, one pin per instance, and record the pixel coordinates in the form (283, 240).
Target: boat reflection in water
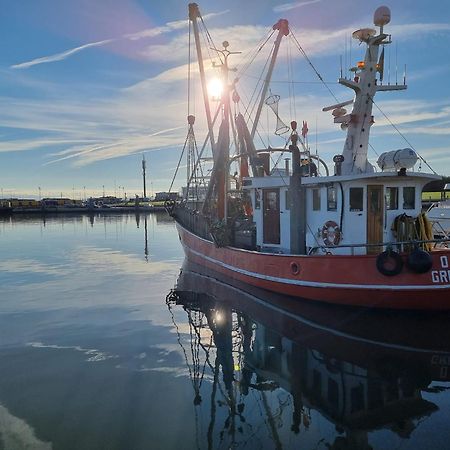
(311, 375)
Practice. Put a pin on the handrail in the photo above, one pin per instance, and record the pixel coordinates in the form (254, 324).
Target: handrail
(381, 244)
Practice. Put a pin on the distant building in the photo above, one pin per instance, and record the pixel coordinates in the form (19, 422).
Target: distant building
(195, 192)
(24, 203)
(164, 196)
(107, 200)
(58, 201)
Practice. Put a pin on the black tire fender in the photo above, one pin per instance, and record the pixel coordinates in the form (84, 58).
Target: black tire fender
(388, 258)
(419, 261)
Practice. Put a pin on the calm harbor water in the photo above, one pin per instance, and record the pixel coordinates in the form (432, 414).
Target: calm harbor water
(99, 351)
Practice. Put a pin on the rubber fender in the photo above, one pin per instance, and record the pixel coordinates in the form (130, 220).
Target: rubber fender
(419, 261)
(389, 263)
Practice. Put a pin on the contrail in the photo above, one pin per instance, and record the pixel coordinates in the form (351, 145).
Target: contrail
(150, 32)
(60, 56)
(289, 6)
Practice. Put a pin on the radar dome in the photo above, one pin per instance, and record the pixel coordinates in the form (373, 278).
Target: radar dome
(404, 158)
(382, 16)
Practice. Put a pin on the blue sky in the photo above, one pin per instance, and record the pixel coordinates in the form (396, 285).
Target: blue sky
(86, 87)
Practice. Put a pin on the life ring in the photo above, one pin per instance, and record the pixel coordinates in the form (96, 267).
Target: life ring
(389, 263)
(331, 233)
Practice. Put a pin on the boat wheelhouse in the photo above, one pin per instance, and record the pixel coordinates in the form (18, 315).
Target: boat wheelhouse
(366, 207)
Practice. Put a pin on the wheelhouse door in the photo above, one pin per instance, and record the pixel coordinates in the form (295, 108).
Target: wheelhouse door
(271, 225)
(375, 214)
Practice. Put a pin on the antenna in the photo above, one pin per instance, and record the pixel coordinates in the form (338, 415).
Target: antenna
(350, 49)
(317, 152)
(389, 65)
(345, 56)
(396, 65)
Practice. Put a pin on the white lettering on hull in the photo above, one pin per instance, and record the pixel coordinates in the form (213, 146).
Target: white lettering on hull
(441, 276)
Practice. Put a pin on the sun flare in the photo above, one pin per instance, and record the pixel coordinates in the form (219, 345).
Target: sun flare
(215, 88)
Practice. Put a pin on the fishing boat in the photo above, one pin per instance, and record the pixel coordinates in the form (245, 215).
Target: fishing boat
(349, 234)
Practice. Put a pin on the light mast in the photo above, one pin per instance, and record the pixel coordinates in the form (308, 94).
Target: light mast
(143, 175)
(364, 83)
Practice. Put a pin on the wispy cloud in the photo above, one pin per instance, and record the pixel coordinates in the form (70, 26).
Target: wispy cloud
(25, 145)
(288, 6)
(148, 115)
(168, 27)
(143, 34)
(411, 111)
(126, 146)
(60, 56)
(413, 29)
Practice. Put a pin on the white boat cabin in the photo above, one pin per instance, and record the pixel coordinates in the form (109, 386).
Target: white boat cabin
(343, 213)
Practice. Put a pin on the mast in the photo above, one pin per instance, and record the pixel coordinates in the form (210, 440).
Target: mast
(194, 14)
(364, 83)
(143, 175)
(283, 30)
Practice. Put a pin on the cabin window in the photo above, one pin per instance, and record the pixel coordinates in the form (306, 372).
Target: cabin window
(409, 198)
(356, 199)
(316, 199)
(257, 199)
(287, 199)
(391, 198)
(331, 199)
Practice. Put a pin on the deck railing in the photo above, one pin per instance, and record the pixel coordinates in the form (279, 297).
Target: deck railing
(192, 221)
(396, 245)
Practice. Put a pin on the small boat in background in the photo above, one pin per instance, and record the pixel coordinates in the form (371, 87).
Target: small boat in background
(5, 208)
(439, 215)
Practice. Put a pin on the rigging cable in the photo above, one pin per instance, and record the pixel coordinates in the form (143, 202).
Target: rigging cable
(311, 64)
(210, 41)
(401, 134)
(179, 162)
(257, 90)
(246, 65)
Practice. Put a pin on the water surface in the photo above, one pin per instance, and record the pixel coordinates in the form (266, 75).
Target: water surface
(97, 351)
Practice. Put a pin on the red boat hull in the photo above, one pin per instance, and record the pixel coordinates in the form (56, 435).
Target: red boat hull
(345, 280)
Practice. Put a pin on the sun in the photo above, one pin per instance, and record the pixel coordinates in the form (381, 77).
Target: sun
(215, 88)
